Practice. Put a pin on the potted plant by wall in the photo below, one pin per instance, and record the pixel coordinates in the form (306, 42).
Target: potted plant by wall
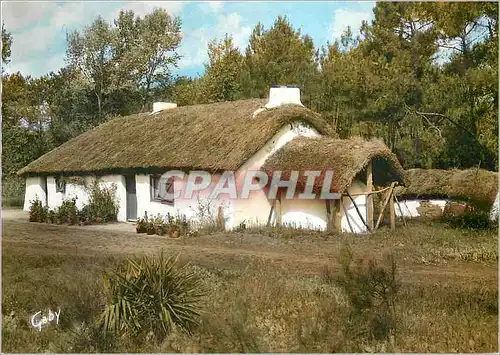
(150, 228)
(51, 216)
(176, 233)
(58, 216)
(158, 225)
(140, 225)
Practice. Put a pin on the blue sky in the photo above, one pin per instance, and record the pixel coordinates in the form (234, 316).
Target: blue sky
(39, 28)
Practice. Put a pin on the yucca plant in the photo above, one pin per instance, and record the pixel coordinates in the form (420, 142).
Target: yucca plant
(151, 294)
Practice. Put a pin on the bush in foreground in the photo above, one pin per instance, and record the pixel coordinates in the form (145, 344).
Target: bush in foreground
(151, 296)
(372, 292)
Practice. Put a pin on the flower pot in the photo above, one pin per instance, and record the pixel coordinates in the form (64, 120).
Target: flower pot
(98, 219)
(159, 230)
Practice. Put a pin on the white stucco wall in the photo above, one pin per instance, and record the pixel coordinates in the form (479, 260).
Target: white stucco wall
(255, 209)
(356, 222)
(409, 208)
(311, 214)
(55, 199)
(121, 194)
(308, 214)
(34, 190)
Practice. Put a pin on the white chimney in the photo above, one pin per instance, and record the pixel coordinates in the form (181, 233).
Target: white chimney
(162, 106)
(282, 95)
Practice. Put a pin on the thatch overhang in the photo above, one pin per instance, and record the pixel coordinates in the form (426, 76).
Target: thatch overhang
(213, 137)
(346, 158)
(477, 186)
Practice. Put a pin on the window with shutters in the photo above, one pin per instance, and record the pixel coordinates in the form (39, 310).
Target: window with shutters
(162, 190)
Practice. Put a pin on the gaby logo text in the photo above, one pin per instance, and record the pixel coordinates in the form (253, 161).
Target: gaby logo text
(38, 320)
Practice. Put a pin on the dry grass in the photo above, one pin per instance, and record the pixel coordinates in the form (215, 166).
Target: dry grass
(220, 136)
(268, 292)
(473, 185)
(346, 158)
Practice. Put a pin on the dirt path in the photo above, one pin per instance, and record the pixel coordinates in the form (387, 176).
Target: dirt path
(233, 251)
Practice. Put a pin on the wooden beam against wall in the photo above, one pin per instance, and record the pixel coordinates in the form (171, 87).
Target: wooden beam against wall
(337, 214)
(386, 201)
(359, 213)
(369, 198)
(400, 210)
(273, 206)
(220, 219)
(346, 216)
(278, 209)
(329, 215)
(392, 215)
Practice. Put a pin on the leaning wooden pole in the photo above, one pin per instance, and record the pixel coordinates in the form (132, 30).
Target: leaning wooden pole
(337, 214)
(392, 215)
(359, 213)
(386, 201)
(269, 218)
(346, 216)
(400, 210)
(369, 198)
(329, 215)
(278, 208)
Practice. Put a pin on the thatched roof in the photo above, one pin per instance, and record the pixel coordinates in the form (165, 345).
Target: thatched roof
(474, 185)
(212, 137)
(346, 158)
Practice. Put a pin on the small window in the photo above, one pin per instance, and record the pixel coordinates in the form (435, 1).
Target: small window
(60, 185)
(161, 190)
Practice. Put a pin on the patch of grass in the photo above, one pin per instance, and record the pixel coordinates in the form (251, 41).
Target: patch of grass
(151, 294)
(259, 304)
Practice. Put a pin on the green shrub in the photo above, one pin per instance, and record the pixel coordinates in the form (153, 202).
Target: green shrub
(102, 204)
(68, 212)
(38, 212)
(477, 219)
(151, 294)
(372, 292)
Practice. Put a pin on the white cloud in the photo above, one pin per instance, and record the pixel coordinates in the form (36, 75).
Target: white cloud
(143, 8)
(211, 6)
(38, 43)
(216, 5)
(17, 15)
(344, 17)
(195, 45)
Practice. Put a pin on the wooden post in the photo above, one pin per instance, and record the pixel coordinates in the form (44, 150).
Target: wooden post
(400, 210)
(347, 216)
(220, 219)
(386, 201)
(392, 215)
(278, 209)
(369, 198)
(337, 214)
(359, 213)
(273, 206)
(329, 215)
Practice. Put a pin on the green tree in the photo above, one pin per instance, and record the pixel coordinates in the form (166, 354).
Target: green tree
(222, 80)
(91, 52)
(6, 44)
(156, 52)
(280, 55)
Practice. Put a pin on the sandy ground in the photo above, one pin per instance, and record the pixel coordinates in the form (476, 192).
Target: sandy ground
(307, 256)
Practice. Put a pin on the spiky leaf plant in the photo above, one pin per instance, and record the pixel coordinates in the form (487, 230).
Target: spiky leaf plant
(151, 294)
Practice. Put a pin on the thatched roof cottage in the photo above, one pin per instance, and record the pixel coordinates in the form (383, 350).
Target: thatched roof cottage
(134, 152)
(434, 192)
